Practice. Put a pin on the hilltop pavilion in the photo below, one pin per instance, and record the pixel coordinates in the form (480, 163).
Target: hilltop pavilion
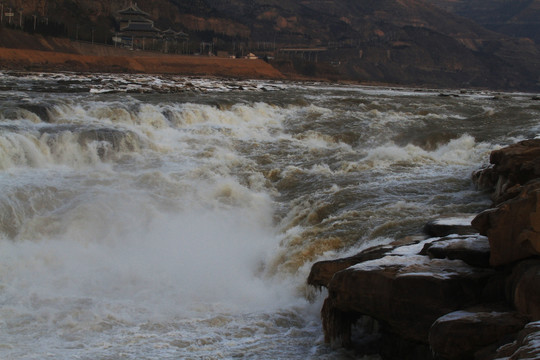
(137, 30)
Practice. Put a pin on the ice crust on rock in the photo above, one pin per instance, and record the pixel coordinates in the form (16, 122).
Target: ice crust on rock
(417, 265)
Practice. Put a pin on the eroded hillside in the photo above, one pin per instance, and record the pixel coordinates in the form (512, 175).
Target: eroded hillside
(408, 42)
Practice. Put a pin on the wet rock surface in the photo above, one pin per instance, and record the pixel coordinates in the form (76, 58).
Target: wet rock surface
(450, 224)
(458, 294)
(407, 293)
(525, 347)
(460, 334)
(513, 165)
(473, 250)
(513, 227)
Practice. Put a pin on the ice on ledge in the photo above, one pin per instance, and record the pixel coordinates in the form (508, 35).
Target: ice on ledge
(530, 349)
(417, 265)
(474, 243)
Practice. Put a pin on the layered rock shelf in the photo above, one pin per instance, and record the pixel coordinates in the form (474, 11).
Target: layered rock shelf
(469, 289)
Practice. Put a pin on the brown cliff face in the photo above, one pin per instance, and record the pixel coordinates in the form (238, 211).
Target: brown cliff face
(513, 227)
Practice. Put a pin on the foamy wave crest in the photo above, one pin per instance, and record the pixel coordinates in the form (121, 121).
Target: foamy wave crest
(73, 148)
(461, 151)
(113, 113)
(68, 113)
(314, 140)
(381, 119)
(129, 113)
(258, 121)
(21, 115)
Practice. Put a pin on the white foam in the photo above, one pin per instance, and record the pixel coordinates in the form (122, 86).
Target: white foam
(110, 263)
(461, 151)
(455, 221)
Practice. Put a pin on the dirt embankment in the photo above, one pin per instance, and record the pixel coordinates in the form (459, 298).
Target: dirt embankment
(20, 51)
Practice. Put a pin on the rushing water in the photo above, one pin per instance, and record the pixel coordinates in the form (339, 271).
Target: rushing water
(170, 218)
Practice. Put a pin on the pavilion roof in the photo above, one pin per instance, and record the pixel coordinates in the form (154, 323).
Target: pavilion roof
(133, 10)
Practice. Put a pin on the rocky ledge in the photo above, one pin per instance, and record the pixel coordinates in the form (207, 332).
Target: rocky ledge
(470, 291)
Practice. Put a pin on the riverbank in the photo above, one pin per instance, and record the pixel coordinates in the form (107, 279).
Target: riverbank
(468, 289)
(36, 60)
(23, 52)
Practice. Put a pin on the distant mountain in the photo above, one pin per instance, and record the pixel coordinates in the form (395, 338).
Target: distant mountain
(389, 41)
(408, 42)
(518, 18)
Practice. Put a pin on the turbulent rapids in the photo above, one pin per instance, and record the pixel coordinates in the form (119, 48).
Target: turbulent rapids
(148, 217)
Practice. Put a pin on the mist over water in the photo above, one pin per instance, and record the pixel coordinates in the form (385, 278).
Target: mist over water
(141, 223)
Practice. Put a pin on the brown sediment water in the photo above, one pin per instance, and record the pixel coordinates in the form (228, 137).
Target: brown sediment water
(177, 217)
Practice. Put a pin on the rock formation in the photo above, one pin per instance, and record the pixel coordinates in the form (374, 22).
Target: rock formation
(513, 226)
(459, 296)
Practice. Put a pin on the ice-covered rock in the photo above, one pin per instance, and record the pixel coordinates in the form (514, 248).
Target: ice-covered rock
(472, 249)
(459, 224)
(405, 293)
(322, 272)
(526, 346)
(460, 334)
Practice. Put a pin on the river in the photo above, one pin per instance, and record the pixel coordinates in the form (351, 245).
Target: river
(147, 217)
